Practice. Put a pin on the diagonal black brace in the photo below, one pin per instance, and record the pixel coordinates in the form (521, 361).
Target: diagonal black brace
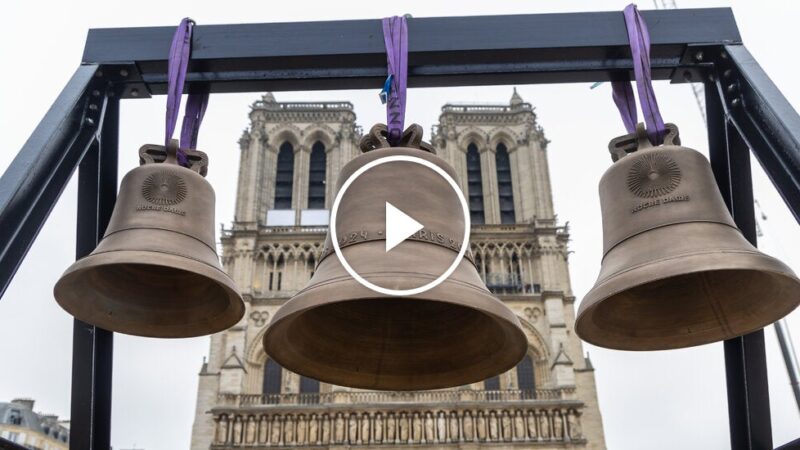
(33, 182)
(765, 120)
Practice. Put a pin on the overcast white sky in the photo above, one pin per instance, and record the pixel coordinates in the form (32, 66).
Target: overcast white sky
(657, 400)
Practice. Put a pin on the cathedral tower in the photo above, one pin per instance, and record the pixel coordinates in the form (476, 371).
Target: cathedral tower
(291, 156)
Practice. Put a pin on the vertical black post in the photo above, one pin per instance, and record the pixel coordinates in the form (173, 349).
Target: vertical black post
(745, 356)
(92, 347)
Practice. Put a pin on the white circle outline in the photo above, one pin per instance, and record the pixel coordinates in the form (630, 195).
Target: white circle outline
(464, 209)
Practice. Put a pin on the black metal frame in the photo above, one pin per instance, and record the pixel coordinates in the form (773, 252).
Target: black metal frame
(745, 111)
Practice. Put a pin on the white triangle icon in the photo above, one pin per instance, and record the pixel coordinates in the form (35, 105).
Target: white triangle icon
(399, 226)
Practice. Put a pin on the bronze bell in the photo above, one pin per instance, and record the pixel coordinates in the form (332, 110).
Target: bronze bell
(156, 272)
(340, 332)
(676, 272)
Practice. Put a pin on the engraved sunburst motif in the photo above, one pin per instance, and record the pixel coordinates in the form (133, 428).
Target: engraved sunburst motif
(653, 176)
(164, 188)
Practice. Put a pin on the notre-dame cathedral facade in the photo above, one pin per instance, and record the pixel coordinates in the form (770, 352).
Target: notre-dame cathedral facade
(291, 157)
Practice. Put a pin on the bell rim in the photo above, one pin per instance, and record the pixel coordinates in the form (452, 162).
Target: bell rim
(508, 322)
(290, 308)
(230, 316)
(705, 261)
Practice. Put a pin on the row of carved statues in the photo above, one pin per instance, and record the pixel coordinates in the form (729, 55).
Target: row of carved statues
(401, 427)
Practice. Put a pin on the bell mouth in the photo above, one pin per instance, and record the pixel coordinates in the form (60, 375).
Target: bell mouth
(149, 294)
(395, 343)
(736, 293)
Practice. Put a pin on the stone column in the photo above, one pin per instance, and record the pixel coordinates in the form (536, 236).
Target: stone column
(248, 176)
(542, 177)
(491, 203)
(269, 171)
(300, 183)
(330, 153)
(458, 159)
(518, 183)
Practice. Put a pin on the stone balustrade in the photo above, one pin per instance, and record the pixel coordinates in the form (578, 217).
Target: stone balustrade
(321, 229)
(523, 425)
(488, 108)
(287, 229)
(302, 106)
(395, 397)
(294, 229)
(512, 228)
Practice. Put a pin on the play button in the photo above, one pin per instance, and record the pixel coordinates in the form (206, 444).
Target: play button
(399, 226)
(371, 216)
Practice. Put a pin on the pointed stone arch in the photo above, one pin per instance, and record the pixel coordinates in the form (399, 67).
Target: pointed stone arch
(505, 135)
(536, 342)
(473, 134)
(255, 354)
(539, 352)
(283, 133)
(319, 132)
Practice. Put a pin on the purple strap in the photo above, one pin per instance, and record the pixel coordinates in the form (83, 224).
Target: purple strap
(395, 36)
(176, 76)
(639, 39)
(192, 118)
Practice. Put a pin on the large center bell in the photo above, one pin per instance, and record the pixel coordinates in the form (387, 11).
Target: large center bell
(676, 271)
(156, 272)
(340, 332)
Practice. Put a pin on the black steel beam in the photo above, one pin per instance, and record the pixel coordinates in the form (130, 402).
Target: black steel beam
(748, 392)
(443, 51)
(745, 356)
(33, 182)
(769, 125)
(92, 347)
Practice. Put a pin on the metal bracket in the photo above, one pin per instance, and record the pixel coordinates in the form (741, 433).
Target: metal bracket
(766, 121)
(124, 80)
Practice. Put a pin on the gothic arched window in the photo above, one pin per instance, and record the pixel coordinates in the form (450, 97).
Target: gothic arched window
(284, 177)
(273, 377)
(504, 189)
(309, 386)
(316, 177)
(492, 384)
(474, 185)
(525, 376)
